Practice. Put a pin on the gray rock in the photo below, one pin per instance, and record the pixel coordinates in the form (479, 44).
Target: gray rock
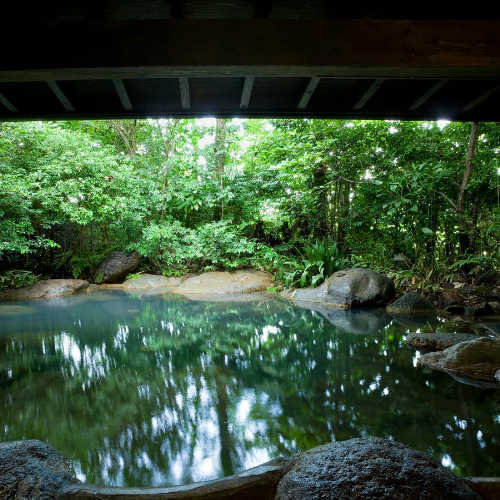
(146, 281)
(410, 303)
(437, 341)
(211, 284)
(349, 288)
(115, 267)
(370, 468)
(477, 359)
(46, 289)
(32, 469)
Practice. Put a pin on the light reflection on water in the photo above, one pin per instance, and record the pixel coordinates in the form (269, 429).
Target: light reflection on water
(159, 390)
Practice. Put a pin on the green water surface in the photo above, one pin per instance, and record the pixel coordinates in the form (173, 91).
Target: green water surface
(160, 390)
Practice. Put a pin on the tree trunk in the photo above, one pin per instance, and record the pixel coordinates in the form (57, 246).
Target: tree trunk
(220, 156)
(431, 244)
(321, 229)
(168, 143)
(464, 236)
(126, 130)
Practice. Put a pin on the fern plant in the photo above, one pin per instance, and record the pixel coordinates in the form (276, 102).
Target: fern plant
(318, 261)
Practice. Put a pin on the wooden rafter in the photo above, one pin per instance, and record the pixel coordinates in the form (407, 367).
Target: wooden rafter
(480, 99)
(7, 103)
(61, 96)
(425, 97)
(184, 90)
(370, 92)
(308, 92)
(122, 94)
(246, 93)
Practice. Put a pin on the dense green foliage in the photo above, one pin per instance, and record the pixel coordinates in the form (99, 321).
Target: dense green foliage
(300, 198)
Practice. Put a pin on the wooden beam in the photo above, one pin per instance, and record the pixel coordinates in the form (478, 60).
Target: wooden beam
(479, 100)
(7, 104)
(184, 89)
(246, 93)
(424, 98)
(259, 47)
(263, 8)
(122, 94)
(66, 104)
(113, 114)
(368, 94)
(308, 92)
(176, 9)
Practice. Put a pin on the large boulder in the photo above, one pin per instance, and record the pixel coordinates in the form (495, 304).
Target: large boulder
(149, 281)
(215, 283)
(437, 341)
(370, 468)
(115, 267)
(410, 303)
(349, 288)
(45, 289)
(32, 469)
(478, 359)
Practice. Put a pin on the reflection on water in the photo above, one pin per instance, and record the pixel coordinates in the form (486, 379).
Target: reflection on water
(160, 390)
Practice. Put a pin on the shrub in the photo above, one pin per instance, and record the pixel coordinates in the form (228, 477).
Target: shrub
(174, 249)
(17, 278)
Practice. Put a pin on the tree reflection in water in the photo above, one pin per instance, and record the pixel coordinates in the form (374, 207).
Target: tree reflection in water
(159, 390)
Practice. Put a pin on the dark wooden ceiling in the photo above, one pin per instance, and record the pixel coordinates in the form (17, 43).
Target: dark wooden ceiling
(254, 58)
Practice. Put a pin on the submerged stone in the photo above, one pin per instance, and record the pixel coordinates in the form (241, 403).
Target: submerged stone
(370, 468)
(437, 341)
(478, 358)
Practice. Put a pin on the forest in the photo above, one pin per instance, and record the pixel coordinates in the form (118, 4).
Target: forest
(300, 198)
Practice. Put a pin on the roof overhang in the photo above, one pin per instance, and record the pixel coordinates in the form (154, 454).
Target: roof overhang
(361, 68)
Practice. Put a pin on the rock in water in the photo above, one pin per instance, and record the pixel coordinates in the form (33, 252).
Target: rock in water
(115, 267)
(478, 358)
(371, 468)
(354, 287)
(32, 469)
(215, 283)
(437, 341)
(410, 303)
(45, 289)
(147, 281)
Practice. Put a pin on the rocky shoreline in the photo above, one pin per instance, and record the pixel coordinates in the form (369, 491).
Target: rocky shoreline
(363, 468)
(476, 357)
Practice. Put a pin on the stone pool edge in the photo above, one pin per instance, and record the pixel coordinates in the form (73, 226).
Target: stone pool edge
(33, 469)
(258, 482)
